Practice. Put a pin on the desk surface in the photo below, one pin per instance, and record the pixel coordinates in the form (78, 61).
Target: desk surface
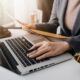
(69, 70)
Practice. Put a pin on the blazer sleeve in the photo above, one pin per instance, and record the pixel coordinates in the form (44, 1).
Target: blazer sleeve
(53, 23)
(75, 43)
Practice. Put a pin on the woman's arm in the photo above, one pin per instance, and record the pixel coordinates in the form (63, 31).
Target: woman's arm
(53, 23)
(74, 42)
(50, 26)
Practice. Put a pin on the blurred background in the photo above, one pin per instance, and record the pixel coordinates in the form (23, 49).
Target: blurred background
(22, 9)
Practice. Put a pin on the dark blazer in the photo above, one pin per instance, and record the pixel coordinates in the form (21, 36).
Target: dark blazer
(57, 19)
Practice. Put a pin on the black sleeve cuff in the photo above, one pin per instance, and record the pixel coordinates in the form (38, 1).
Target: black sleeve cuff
(74, 44)
(47, 27)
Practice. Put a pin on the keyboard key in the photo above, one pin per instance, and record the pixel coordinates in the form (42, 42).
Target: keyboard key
(25, 53)
(17, 53)
(27, 42)
(8, 54)
(24, 57)
(18, 45)
(22, 44)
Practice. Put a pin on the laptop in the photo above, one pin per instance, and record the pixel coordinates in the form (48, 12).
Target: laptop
(13, 52)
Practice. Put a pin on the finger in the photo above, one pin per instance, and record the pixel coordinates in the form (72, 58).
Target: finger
(35, 46)
(28, 30)
(33, 52)
(41, 47)
(39, 52)
(22, 23)
(44, 45)
(32, 49)
(26, 27)
(46, 55)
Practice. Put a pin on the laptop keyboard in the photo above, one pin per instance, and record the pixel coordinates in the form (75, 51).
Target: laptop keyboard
(7, 57)
(20, 47)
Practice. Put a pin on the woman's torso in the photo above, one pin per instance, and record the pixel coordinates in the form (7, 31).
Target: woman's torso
(71, 13)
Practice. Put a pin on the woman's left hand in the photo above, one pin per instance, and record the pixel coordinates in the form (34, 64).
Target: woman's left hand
(45, 49)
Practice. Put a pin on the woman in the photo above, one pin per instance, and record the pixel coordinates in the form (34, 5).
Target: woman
(66, 14)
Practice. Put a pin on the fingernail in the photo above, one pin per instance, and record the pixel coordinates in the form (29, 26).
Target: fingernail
(37, 58)
(29, 49)
(30, 56)
(27, 54)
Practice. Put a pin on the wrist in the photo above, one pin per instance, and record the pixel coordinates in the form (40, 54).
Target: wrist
(34, 26)
(67, 46)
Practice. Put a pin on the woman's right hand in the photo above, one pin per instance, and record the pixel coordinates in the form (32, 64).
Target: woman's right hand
(28, 27)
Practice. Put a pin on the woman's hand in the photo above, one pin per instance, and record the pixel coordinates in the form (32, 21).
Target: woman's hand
(28, 27)
(45, 49)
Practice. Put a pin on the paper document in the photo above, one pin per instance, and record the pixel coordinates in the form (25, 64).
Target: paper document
(48, 34)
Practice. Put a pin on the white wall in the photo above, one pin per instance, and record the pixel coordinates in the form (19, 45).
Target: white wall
(1, 14)
(6, 5)
(23, 9)
(20, 9)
